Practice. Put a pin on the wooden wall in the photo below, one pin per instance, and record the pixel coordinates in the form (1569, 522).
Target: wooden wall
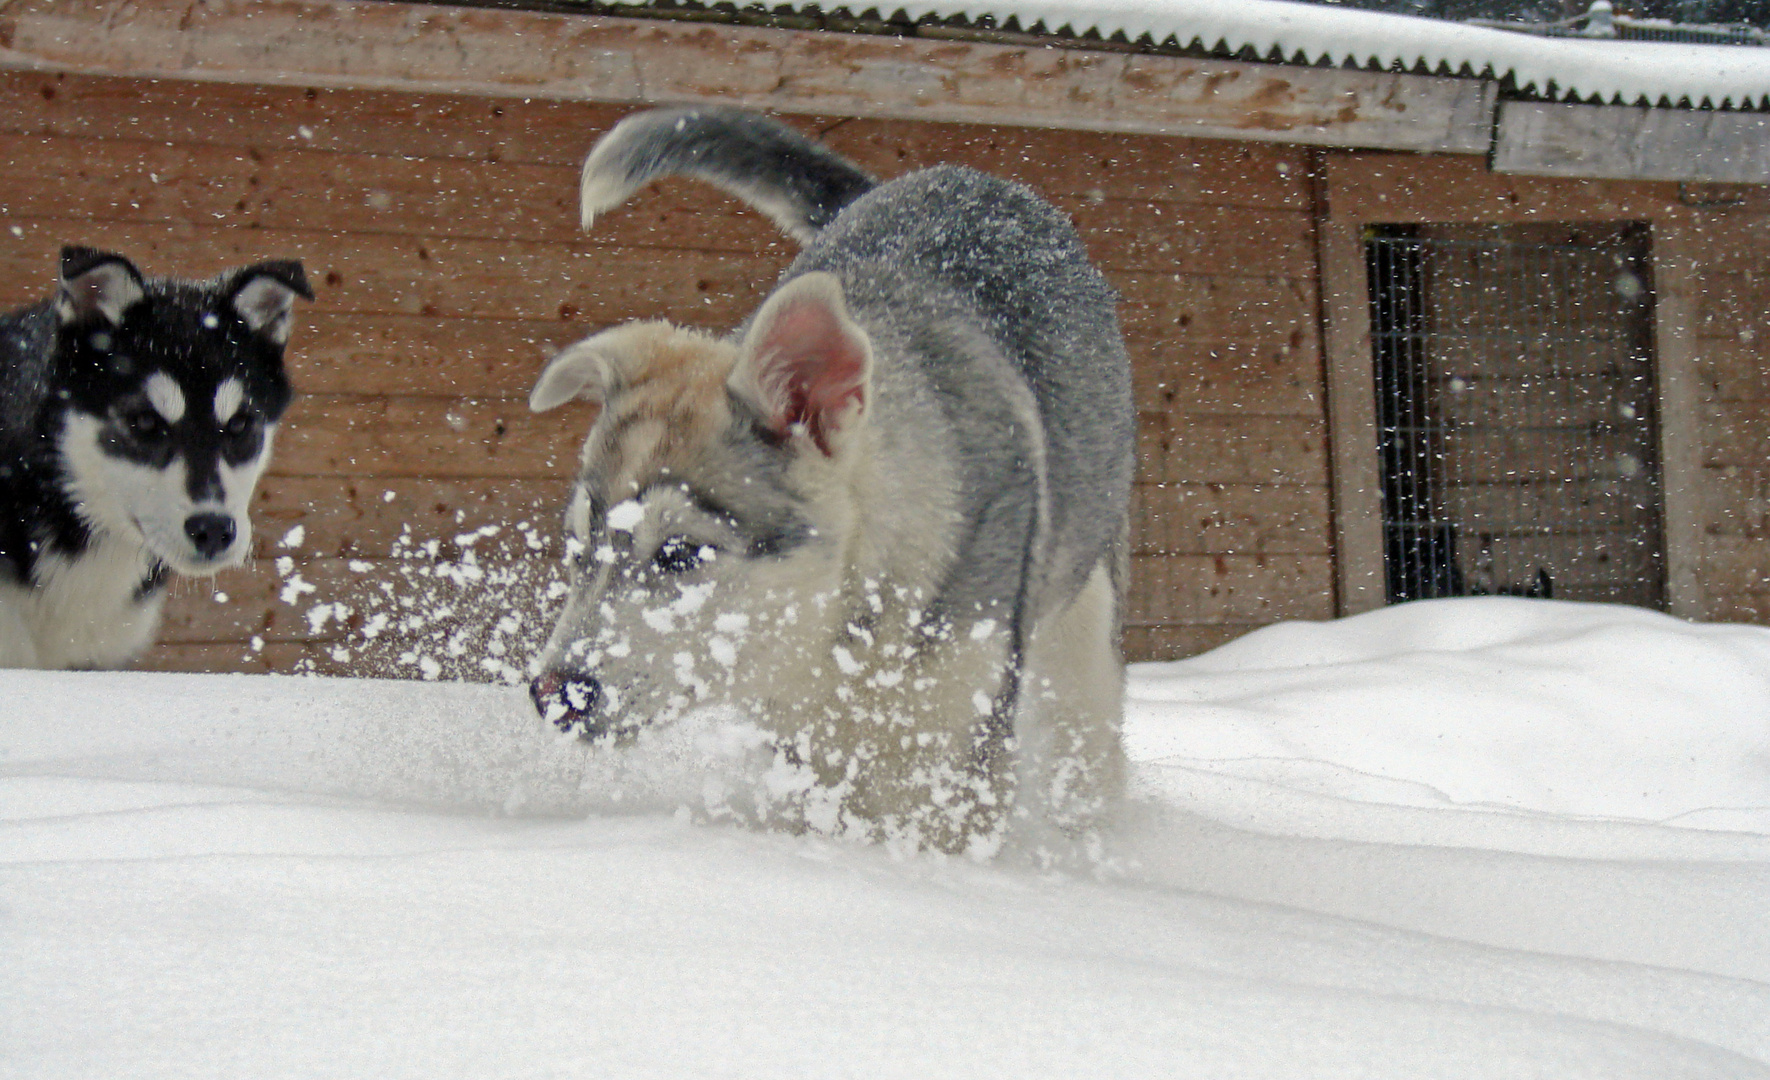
(440, 235)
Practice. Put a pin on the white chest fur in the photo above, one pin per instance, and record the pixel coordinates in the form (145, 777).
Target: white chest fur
(82, 612)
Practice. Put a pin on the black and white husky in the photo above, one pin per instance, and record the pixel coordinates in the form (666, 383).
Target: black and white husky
(135, 417)
(887, 517)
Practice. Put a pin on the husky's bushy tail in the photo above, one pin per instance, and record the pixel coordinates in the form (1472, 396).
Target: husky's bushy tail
(799, 184)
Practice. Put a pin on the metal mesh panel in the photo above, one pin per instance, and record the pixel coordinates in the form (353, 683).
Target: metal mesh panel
(1515, 411)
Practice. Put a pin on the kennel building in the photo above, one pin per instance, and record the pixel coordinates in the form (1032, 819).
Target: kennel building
(1415, 308)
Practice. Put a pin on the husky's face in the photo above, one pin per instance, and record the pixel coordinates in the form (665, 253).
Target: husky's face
(172, 395)
(709, 549)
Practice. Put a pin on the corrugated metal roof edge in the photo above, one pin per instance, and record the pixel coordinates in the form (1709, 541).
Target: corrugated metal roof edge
(1650, 74)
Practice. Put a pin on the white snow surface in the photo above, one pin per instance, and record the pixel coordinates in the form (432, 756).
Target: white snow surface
(1629, 72)
(1478, 838)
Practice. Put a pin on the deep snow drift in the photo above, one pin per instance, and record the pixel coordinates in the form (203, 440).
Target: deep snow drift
(1477, 838)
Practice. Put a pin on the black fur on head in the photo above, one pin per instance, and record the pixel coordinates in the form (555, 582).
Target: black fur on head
(116, 327)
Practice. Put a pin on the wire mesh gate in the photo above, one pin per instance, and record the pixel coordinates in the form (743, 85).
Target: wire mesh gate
(1515, 411)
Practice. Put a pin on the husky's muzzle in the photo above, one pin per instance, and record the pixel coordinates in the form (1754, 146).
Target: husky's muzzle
(569, 701)
(210, 534)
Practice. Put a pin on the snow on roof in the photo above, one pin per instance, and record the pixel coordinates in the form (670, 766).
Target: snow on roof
(1626, 72)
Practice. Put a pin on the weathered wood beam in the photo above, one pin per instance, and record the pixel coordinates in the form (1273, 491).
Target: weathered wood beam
(375, 44)
(1624, 143)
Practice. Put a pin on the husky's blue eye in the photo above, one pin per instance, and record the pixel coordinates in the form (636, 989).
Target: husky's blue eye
(679, 555)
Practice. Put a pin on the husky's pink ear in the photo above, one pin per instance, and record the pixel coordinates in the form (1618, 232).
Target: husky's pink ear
(96, 283)
(805, 365)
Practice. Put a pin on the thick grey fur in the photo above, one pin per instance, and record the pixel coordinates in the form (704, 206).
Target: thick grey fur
(976, 292)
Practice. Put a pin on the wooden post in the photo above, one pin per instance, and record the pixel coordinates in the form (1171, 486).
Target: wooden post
(1680, 419)
(1352, 417)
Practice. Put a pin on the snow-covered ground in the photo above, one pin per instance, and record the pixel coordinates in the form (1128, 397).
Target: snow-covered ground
(1464, 838)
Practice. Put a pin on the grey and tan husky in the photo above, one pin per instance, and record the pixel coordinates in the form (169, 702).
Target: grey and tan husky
(886, 517)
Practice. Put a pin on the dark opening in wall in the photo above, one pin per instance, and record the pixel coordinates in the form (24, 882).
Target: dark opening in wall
(1515, 411)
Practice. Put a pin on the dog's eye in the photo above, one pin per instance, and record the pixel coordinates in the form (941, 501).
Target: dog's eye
(238, 424)
(145, 424)
(679, 555)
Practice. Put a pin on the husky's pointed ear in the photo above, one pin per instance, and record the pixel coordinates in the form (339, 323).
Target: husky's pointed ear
(584, 369)
(805, 365)
(264, 295)
(96, 284)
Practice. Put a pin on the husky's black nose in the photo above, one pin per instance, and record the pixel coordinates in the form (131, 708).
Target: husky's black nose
(566, 700)
(211, 534)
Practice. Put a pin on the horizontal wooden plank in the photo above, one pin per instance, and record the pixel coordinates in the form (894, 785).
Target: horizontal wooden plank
(151, 183)
(1593, 561)
(219, 658)
(1143, 644)
(1736, 565)
(438, 278)
(1736, 608)
(1074, 165)
(1543, 455)
(1270, 370)
(1199, 600)
(299, 601)
(1091, 165)
(1375, 187)
(370, 517)
(1123, 234)
(1559, 398)
(344, 353)
(443, 278)
(348, 435)
(1239, 519)
(1734, 503)
(1734, 306)
(1214, 307)
(1509, 504)
(1733, 369)
(1731, 238)
(1549, 138)
(1168, 589)
(1526, 363)
(1275, 372)
(275, 602)
(293, 189)
(354, 121)
(536, 55)
(1737, 436)
(1231, 450)
(339, 435)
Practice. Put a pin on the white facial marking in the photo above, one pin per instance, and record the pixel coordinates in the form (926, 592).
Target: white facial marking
(150, 505)
(165, 396)
(228, 398)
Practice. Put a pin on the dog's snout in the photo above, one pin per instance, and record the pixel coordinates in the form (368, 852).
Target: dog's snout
(565, 700)
(210, 534)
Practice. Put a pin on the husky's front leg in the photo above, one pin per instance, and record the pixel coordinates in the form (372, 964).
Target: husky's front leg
(18, 648)
(1070, 763)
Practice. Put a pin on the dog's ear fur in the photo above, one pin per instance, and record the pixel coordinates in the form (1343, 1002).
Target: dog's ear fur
(264, 296)
(805, 366)
(586, 369)
(96, 284)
